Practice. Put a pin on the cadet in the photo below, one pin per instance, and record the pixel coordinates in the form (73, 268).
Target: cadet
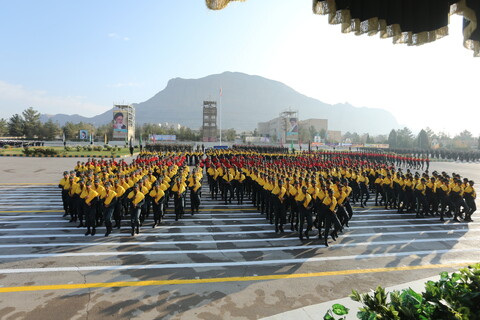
(109, 203)
(91, 199)
(137, 199)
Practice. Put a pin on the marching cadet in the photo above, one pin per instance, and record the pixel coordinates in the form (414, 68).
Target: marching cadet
(61, 185)
(227, 183)
(178, 190)
(470, 195)
(91, 199)
(158, 196)
(109, 202)
(330, 204)
(82, 194)
(100, 189)
(194, 186)
(421, 198)
(388, 191)
(292, 194)
(456, 196)
(279, 206)
(304, 204)
(117, 211)
(363, 182)
(432, 196)
(239, 185)
(71, 187)
(137, 199)
(379, 190)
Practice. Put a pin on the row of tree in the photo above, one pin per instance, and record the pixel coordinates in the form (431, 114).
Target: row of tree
(428, 139)
(28, 125)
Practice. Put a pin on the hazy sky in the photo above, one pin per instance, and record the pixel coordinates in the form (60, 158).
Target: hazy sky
(82, 56)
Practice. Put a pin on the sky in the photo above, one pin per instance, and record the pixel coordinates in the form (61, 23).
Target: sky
(81, 57)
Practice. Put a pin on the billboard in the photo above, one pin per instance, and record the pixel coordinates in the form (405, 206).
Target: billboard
(120, 124)
(83, 135)
(162, 137)
(292, 131)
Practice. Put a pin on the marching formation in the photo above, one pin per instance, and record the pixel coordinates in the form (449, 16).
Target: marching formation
(318, 189)
(97, 192)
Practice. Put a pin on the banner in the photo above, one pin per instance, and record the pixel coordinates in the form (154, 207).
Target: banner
(162, 137)
(120, 124)
(83, 135)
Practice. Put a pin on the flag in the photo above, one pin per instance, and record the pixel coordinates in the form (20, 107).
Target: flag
(126, 140)
(140, 140)
(153, 138)
(221, 92)
(105, 138)
(63, 136)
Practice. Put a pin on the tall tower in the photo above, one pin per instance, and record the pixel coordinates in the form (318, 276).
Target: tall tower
(209, 128)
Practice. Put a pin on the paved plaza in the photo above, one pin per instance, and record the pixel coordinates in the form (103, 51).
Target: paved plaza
(226, 262)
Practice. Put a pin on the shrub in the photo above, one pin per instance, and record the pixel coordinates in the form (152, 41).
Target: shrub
(36, 152)
(453, 297)
(79, 148)
(97, 148)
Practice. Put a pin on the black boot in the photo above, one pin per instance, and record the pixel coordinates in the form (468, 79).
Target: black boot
(138, 229)
(133, 231)
(88, 231)
(109, 230)
(93, 231)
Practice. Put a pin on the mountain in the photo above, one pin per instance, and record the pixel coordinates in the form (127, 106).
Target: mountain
(246, 100)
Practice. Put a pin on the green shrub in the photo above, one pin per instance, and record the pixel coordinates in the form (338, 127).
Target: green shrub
(453, 297)
(97, 148)
(37, 152)
(79, 148)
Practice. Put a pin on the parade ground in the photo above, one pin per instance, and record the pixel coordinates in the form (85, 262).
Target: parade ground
(226, 262)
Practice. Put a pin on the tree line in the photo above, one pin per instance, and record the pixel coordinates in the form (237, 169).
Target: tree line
(28, 125)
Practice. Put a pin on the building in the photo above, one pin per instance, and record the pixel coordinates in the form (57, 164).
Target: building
(318, 124)
(209, 128)
(283, 129)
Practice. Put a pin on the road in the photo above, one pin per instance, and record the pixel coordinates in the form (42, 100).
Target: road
(224, 263)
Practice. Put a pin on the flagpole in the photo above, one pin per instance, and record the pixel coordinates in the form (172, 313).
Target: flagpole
(220, 116)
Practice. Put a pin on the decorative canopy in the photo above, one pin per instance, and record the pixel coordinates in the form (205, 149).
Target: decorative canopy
(413, 22)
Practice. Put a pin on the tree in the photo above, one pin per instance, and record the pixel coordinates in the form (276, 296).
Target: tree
(32, 123)
(423, 140)
(230, 135)
(404, 138)
(49, 130)
(3, 127)
(15, 125)
(392, 139)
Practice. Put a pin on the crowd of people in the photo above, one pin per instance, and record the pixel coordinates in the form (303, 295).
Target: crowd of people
(316, 188)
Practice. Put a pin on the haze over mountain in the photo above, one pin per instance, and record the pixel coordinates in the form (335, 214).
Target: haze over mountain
(246, 100)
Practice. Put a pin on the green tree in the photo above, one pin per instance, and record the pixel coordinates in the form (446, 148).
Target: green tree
(392, 139)
(405, 138)
(15, 125)
(230, 135)
(49, 130)
(423, 141)
(3, 127)
(32, 123)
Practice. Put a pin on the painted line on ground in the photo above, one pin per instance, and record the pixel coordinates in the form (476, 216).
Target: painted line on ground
(224, 264)
(127, 234)
(226, 251)
(158, 228)
(122, 284)
(250, 225)
(290, 237)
